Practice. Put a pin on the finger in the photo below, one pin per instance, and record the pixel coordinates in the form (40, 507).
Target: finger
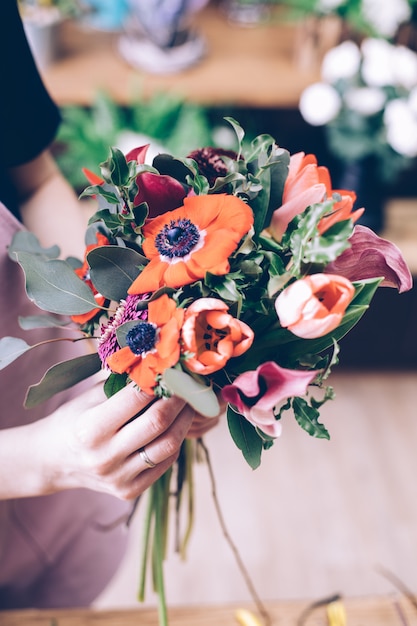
(154, 422)
(139, 470)
(116, 411)
(201, 424)
(167, 444)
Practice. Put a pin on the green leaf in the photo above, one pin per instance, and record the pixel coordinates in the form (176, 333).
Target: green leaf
(198, 395)
(114, 383)
(41, 321)
(11, 348)
(115, 170)
(113, 269)
(62, 376)
(25, 241)
(98, 190)
(307, 418)
(325, 249)
(53, 286)
(259, 148)
(240, 133)
(111, 220)
(245, 437)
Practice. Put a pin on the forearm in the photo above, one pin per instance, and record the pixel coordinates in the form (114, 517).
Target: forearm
(49, 206)
(21, 463)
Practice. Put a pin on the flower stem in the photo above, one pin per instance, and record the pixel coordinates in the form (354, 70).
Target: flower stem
(259, 604)
(159, 506)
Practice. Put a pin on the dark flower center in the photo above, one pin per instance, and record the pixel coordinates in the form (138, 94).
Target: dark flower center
(141, 338)
(250, 401)
(177, 238)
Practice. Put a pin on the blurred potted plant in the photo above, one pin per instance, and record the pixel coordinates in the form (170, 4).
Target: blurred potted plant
(41, 20)
(170, 123)
(324, 22)
(367, 103)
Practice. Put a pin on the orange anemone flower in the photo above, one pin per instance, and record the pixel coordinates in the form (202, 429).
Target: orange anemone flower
(212, 336)
(83, 272)
(152, 345)
(186, 243)
(308, 183)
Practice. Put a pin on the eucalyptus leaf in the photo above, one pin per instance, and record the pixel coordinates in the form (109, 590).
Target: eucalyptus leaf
(11, 348)
(113, 269)
(41, 321)
(53, 286)
(198, 395)
(62, 376)
(245, 437)
(25, 241)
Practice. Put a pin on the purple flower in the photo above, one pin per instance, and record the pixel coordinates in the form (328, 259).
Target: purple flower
(370, 256)
(210, 162)
(255, 393)
(126, 312)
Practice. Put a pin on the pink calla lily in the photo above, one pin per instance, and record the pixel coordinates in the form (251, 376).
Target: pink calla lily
(255, 393)
(370, 256)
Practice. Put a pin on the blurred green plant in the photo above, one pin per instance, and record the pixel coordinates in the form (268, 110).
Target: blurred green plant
(86, 133)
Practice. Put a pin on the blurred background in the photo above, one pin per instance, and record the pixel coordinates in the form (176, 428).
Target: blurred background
(337, 78)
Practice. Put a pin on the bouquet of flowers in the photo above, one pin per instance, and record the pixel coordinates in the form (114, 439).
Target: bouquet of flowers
(223, 275)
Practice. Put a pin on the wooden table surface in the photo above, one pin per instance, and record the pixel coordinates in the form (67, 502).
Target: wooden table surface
(382, 611)
(243, 66)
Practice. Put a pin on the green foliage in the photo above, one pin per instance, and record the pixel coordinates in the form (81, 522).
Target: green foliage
(62, 376)
(196, 393)
(246, 437)
(86, 133)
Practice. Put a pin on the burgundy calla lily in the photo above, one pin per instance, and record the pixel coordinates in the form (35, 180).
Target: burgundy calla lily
(371, 256)
(255, 393)
(161, 193)
(138, 154)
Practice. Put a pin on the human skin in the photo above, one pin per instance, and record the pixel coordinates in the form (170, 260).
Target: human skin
(90, 442)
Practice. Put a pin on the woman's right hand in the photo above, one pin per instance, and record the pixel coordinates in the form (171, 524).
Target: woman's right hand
(93, 442)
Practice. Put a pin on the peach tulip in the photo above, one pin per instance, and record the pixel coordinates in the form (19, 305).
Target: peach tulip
(212, 336)
(314, 306)
(308, 183)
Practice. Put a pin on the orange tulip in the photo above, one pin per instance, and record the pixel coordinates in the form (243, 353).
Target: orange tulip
(212, 336)
(152, 345)
(314, 306)
(184, 244)
(307, 184)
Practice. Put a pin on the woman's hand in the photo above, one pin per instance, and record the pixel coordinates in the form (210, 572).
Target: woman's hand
(94, 443)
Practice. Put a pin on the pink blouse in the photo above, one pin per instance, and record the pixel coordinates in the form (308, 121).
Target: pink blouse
(58, 550)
